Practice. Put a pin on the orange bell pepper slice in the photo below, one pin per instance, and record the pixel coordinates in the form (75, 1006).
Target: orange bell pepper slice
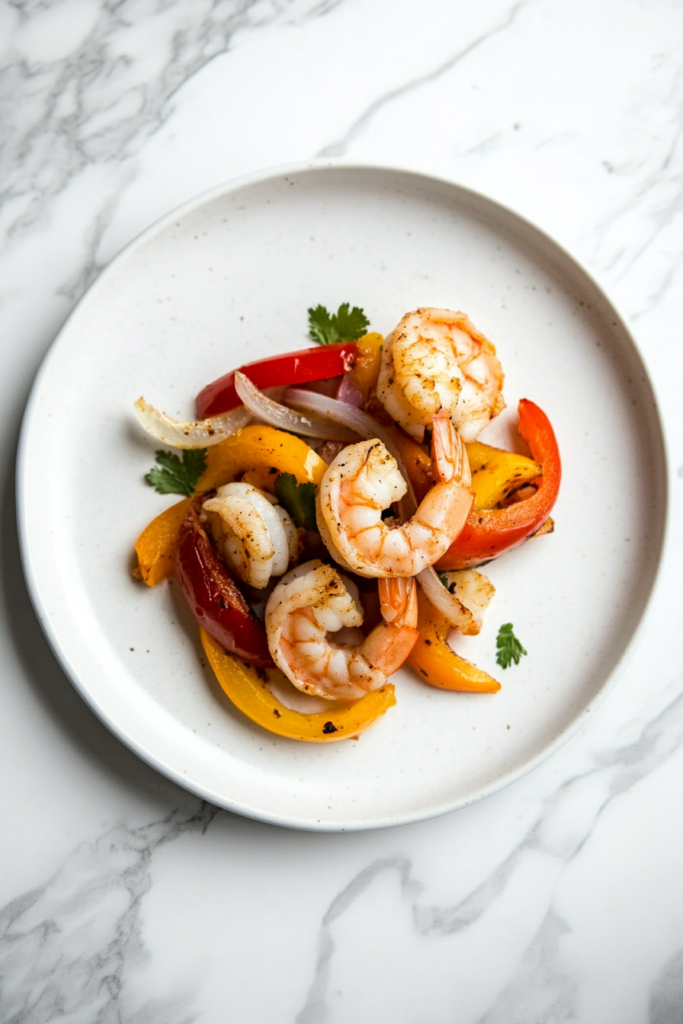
(490, 532)
(437, 663)
(246, 687)
(155, 547)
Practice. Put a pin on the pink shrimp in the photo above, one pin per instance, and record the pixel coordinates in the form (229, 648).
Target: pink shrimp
(364, 480)
(314, 600)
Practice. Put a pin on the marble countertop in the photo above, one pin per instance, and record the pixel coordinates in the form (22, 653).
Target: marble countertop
(124, 898)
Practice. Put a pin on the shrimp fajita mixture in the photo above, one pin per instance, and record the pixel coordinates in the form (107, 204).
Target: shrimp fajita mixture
(338, 507)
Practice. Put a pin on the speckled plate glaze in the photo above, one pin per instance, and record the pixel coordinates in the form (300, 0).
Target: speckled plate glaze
(228, 278)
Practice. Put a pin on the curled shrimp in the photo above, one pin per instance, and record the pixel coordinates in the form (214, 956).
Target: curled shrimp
(364, 480)
(437, 359)
(314, 600)
(254, 534)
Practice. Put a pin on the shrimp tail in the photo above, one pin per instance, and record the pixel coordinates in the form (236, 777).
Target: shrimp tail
(449, 455)
(390, 642)
(398, 600)
(388, 646)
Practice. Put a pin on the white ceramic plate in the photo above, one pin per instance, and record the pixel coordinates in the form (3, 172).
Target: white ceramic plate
(227, 279)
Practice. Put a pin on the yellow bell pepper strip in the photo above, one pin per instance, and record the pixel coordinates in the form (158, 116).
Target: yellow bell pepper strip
(155, 547)
(263, 451)
(246, 688)
(497, 473)
(437, 663)
(368, 360)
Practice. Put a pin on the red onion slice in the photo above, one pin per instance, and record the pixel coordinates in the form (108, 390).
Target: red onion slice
(348, 392)
(283, 418)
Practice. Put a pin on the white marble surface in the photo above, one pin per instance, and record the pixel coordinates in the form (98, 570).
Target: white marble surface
(123, 898)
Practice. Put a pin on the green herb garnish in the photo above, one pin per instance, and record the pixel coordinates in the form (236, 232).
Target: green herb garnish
(508, 646)
(344, 325)
(173, 475)
(297, 499)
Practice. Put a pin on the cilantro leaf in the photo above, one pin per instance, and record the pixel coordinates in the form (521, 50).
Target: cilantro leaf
(508, 646)
(345, 325)
(297, 499)
(173, 475)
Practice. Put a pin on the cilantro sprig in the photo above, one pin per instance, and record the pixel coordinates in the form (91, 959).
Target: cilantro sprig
(345, 325)
(297, 499)
(173, 475)
(508, 647)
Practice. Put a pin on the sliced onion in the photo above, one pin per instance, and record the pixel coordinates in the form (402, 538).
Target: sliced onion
(201, 434)
(276, 392)
(348, 392)
(464, 608)
(358, 421)
(286, 419)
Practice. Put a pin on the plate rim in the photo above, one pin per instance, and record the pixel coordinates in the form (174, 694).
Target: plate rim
(659, 436)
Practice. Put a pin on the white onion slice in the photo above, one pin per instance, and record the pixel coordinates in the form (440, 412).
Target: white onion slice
(464, 608)
(358, 421)
(201, 434)
(286, 419)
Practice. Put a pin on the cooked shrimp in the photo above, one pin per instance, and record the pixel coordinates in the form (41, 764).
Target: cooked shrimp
(364, 480)
(436, 359)
(398, 600)
(255, 536)
(314, 600)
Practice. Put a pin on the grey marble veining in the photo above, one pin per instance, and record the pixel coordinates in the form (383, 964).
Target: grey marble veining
(364, 121)
(70, 947)
(83, 88)
(541, 987)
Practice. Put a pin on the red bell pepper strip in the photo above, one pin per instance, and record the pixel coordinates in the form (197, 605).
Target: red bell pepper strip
(490, 532)
(212, 595)
(308, 364)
